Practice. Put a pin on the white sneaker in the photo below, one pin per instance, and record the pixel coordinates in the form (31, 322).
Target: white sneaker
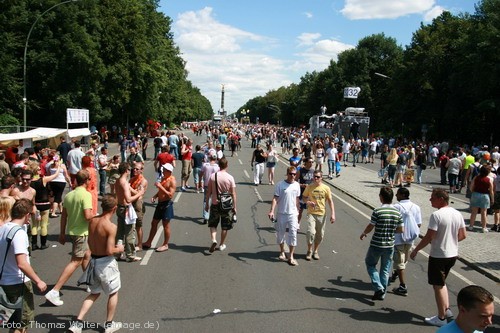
(112, 326)
(76, 327)
(222, 247)
(54, 298)
(435, 321)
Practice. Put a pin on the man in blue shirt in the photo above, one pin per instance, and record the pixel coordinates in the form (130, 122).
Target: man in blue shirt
(475, 310)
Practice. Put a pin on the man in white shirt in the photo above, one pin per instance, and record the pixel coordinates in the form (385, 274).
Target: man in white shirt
(17, 272)
(446, 229)
(286, 199)
(412, 214)
(331, 153)
(74, 162)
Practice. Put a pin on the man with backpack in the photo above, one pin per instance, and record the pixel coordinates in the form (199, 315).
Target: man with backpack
(412, 220)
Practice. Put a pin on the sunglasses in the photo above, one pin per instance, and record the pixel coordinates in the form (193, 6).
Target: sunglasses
(26, 179)
(137, 169)
(292, 174)
(317, 177)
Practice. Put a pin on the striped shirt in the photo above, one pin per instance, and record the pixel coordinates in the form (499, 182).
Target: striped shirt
(386, 220)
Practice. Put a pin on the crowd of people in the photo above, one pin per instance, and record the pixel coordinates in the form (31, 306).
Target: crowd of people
(33, 186)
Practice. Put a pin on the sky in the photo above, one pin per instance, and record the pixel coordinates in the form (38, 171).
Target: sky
(254, 46)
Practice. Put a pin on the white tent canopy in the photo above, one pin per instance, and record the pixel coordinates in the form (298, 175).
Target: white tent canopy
(42, 133)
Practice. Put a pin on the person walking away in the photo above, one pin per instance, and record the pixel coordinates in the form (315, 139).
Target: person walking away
(285, 211)
(387, 221)
(74, 162)
(496, 203)
(421, 163)
(102, 267)
(271, 163)
(164, 210)
(454, 165)
(316, 196)
(220, 182)
(403, 242)
(483, 195)
(206, 171)
(392, 160)
(446, 229)
(197, 163)
(144, 145)
(77, 211)
(17, 274)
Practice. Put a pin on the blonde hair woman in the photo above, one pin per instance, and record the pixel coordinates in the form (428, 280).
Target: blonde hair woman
(6, 204)
(392, 161)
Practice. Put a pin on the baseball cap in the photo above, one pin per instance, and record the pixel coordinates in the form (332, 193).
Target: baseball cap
(168, 166)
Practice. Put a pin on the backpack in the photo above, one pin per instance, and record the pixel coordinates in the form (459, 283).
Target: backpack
(475, 170)
(411, 229)
(402, 159)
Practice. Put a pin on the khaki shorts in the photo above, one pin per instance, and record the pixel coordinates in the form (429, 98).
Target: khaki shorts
(28, 311)
(80, 246)
(401, 255)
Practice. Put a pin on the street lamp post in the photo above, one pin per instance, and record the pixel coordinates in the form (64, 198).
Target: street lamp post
(25, 100)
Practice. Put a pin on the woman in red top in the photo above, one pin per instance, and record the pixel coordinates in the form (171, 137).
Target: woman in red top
(186, 153)
(482, 197)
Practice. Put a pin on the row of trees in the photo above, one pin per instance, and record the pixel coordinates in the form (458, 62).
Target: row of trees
(447, 82)
(115, 57)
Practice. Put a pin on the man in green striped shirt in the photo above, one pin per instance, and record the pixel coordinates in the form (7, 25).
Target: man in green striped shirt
(386, 220)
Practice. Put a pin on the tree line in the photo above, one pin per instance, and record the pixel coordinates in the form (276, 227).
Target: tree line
(116, 58)
(444, 85)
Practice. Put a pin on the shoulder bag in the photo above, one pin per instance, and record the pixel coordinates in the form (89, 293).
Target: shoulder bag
(7, 308)
(226, 202)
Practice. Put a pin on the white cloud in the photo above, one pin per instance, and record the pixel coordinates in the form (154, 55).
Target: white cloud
(383, 9)
(433, 13)
(309, 15)
(308, 38)
(319, 54)
(217, 54)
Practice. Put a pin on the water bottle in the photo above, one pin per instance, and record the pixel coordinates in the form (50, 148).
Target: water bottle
(38, 217)
(120, 242)
(235, 218)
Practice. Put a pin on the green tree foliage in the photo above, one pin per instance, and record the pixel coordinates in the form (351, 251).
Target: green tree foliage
(116, 57)
(446, 80)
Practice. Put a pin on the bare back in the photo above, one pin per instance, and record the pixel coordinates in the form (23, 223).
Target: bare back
(102, 234)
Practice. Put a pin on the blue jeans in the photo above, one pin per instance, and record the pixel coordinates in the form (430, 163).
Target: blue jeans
(102, 181)
(374, 254)
(419, 174)
(331, 167)
(174, 152)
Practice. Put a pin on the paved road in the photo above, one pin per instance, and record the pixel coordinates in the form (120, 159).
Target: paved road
(183, 289)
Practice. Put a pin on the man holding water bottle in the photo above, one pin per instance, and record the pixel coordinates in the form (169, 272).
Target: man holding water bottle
(316, 195)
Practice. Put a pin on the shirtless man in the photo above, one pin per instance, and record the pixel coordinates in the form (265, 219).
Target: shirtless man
(8, 188)
(102, 234)
(25, 190)
(136, 183)
(164, 210)
(126, 232)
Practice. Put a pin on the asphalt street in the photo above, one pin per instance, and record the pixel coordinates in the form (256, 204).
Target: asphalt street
(245, 288)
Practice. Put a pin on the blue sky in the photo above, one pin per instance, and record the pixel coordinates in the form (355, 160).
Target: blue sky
(253, 46)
